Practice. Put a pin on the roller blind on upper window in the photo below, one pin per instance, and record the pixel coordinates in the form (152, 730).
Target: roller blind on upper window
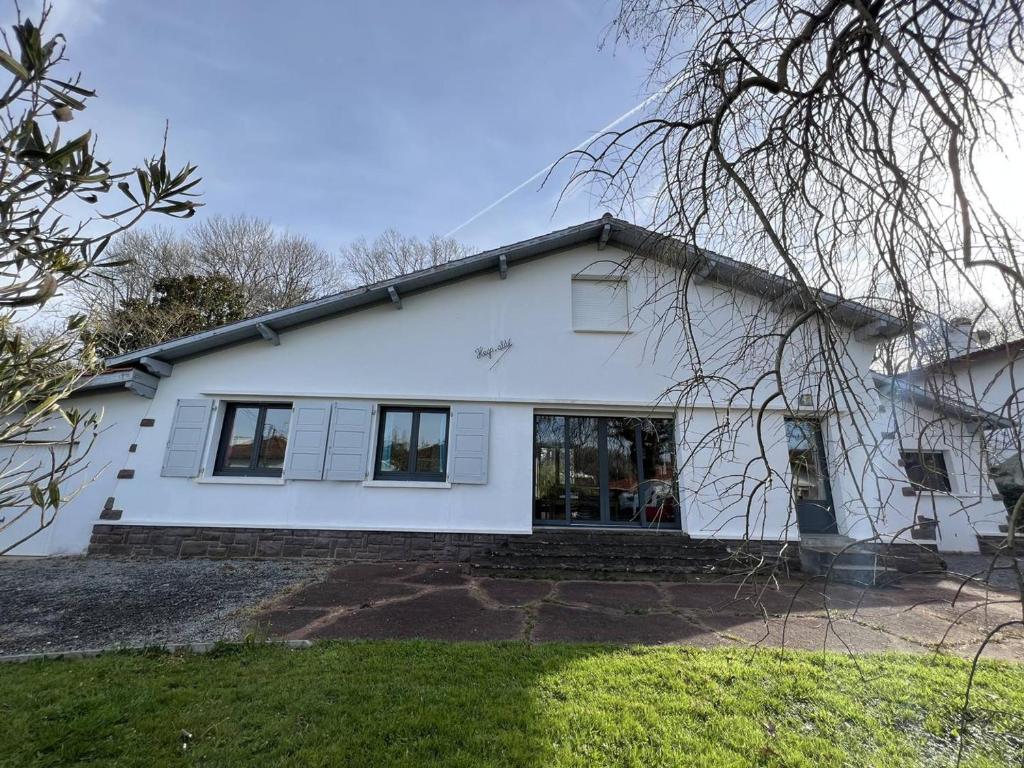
(599, 303)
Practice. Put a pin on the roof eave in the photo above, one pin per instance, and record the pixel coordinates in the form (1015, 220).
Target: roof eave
(498, 260)
(131, 379)
(970, 414)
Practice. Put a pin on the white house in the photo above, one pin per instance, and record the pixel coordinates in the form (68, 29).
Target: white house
(991, 376)
(520, 390)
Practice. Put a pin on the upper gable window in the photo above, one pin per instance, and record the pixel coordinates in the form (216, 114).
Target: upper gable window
(600, 303)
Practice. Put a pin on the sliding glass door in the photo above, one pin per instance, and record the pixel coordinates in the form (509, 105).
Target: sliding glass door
(604, 470)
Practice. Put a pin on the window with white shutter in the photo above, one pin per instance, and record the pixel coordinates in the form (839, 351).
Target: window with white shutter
(600, 303)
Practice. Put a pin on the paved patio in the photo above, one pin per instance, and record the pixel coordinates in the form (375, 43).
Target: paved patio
(68, 604)
(448, 602)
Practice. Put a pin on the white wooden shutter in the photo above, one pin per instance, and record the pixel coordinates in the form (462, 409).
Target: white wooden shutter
(187, 439)
(599, 303)
(468, 442)
(307, 440)
(351, 423)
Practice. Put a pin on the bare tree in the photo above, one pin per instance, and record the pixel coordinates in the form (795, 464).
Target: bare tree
(273, 269)
(43, 174)
(140, 258)
(834, 144)
(241, 254)
(392, 254)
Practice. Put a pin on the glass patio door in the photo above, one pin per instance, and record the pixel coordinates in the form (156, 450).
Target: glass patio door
(605, 470)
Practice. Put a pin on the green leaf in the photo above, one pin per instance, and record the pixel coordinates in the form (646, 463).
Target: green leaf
(125, 187)
(102, 246)
(65, 98)
(73, 88)
(69, 149)
(13, 66)
(33, 154)
(143, 183)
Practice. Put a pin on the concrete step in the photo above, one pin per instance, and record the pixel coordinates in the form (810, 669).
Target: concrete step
(865, 563)
(583, 550)
(612, 554)
(991, 545)
(638, 539)
(826, 541)
(823, 558)
(876, 576)
(555, 569)
(603, 560)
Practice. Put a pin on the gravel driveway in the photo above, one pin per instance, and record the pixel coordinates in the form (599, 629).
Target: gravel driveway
(63, 604)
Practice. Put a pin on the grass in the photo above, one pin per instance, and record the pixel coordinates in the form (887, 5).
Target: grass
(420, 704)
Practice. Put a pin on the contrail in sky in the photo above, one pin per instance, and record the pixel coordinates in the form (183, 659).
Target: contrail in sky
(552, 164)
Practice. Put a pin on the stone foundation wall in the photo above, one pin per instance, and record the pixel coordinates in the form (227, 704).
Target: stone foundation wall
(173, 541)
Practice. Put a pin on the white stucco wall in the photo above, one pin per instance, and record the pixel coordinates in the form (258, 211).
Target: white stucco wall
(91, 482)
(971, 509)
(424, 354)
(993, 380)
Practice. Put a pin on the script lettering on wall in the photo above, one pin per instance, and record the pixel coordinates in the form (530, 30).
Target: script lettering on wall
(495, 353)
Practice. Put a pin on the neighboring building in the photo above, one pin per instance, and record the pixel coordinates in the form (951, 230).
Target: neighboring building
(992, 377)
(519, 388)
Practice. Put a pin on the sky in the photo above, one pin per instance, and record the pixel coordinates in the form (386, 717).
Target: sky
(341, 119)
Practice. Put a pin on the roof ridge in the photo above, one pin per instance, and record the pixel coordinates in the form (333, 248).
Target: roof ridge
(723, 268)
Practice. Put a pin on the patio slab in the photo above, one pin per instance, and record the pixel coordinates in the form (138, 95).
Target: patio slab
(622, 596)
(73, 604)
(439, 576)
(562, 623)
(449, 614)
(336, 593)
(737, 599)
(809, 633)
(516, 591)
(373, 571)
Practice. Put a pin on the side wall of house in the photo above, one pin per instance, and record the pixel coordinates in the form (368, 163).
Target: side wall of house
(970, 509)
(90, 484)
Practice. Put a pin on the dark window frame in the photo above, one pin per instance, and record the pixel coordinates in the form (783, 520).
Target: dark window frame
(226, 428)
(414, 435)
(939, 470)
(602, 427)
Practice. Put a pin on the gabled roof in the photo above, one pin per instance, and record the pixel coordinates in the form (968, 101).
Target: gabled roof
(896, 386)
(710, 266)
(1011, 350)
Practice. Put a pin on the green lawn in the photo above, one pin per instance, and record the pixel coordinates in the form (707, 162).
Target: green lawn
(417, 704)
